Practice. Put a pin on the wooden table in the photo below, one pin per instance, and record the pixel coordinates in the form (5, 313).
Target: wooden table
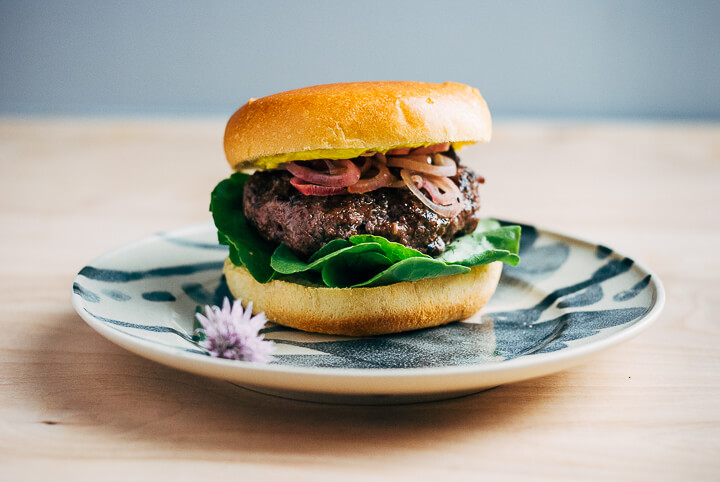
(73, 406)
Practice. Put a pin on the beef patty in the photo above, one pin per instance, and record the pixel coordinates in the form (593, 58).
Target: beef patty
(282, 214)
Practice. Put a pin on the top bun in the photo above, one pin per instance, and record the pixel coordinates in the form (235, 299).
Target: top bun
(337, 121)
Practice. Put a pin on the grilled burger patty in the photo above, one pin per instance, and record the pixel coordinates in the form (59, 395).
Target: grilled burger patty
(282, 214)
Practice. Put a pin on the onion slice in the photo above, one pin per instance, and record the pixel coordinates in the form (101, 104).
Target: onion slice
(381, 179)
(445, 211)
(444, 199)
(443, 166)
(346, 175)
(416, 179)
(314, 189)
(367, 162)
(432, 149)
(400, 151)
(450, 190)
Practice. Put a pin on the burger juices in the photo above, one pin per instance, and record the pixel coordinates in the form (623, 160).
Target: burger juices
(358, 196)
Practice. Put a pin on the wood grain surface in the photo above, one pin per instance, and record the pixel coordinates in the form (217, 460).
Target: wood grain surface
(73, 406)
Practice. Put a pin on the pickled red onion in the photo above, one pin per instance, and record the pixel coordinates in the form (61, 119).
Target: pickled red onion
(450, 190)
(314, 189)
(446, 211)
(381, 179)
(346, 175)
(443, 166)
(437, 197)
(432, 149)
(421, 168)
(402, 151)
(367, 162)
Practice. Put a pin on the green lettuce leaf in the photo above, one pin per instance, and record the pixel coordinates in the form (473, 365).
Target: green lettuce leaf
(413, 269)
(361, 260)
(489, 242)
(354, 269)
(247, 248)
(333, 245)
(284, 261)
(394, 251)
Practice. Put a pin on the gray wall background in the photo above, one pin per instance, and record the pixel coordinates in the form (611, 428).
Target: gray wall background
(555, 58)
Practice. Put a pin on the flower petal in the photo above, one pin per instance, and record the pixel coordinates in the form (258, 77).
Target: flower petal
(233, 332)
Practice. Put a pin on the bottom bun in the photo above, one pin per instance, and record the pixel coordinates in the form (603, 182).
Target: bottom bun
(367, 311)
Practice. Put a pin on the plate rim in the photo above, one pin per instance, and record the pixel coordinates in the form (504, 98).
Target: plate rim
(202, 364)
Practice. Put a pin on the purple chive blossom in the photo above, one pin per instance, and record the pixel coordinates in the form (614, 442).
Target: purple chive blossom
(232, 333)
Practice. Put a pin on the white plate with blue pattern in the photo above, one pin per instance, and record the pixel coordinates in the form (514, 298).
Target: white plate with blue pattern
(567, 300)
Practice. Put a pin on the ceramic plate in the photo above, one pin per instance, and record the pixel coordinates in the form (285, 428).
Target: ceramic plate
(567, 300)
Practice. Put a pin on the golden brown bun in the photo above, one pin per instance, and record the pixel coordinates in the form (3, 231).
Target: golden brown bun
(367, 311)
(359, 116)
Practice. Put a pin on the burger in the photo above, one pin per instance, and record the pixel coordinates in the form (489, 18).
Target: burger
(351, 213)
